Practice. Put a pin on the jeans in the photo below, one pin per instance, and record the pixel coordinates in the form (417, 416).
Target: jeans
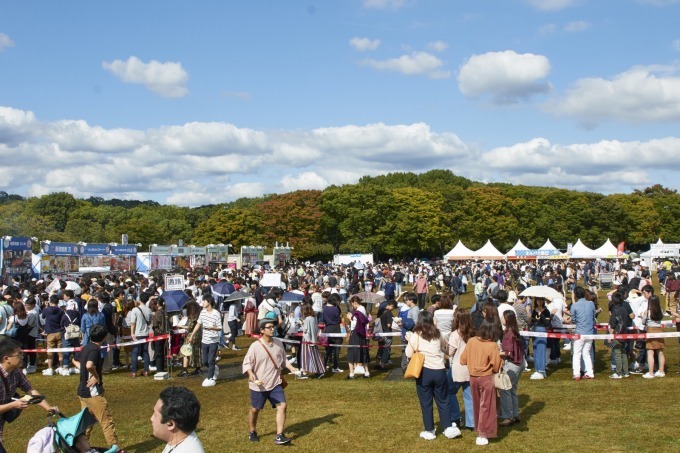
(136, 349)
(72, 343)
(539, 351)
(398, 290)
(467, 401)
(208, 354)
(233, 328)
(509, 400)
(384, 350)
(432, 384)
(555, 351)
(421, 300)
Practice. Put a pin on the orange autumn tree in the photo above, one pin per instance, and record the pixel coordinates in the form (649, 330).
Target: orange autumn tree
(293, 217)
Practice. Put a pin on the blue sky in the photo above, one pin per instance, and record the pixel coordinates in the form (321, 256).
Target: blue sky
(204, 102)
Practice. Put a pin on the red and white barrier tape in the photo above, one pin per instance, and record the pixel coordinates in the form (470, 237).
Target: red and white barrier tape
(625, 336)
(118, 345)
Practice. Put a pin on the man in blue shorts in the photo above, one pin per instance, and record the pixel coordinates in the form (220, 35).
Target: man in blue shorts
(263, 364)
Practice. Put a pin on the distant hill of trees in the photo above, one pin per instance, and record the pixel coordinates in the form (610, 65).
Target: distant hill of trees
(396, 215)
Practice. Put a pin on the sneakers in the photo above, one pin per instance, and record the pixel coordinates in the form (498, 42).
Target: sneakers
(65, 372)
(429, 435)
(152, 368)
(615, 376)
(300, 375)
(482, 441)
(452, 432)
(216, 373)
(74, 370)
(535, 376)
(530, 359)
(253, 437)
(48, 372)
(281, 439)
(208, 383)
(506, 422)
(659, 374)
(567, 347)
(235, 348)
(183, 373)
(648, 375)
(350, 377)
(337, 370)
(30, 369)
(367, 375)
(626, 375)
(586, 376)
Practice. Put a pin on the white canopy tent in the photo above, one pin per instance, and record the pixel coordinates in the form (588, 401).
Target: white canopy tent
(488, 252)
(580, 250)
(607, 250)
(512, 253)
(548, 246)
(460, 252)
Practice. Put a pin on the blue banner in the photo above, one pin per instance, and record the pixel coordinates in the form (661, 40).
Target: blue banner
(96, 249)
(17, 243)
(124, 250)
(62, 249)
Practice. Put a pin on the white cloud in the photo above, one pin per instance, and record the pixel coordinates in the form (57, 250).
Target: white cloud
(577, 25)
(552, 5)
(5, 42)
(415, 63)
(200, 163)
(364, 44)
(507, 76)
(383, 4)
(165, 79)
(547, 29)
(438, 46)
(308, 180)
(640, 95)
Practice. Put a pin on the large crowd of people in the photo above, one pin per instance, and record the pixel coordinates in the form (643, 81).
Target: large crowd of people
(463, 349)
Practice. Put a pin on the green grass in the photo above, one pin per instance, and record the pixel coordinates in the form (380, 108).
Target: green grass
(378, 415)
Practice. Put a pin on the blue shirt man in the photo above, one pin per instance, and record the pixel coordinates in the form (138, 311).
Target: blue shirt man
(583, 315)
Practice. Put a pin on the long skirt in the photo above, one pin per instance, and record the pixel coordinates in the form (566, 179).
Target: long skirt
(358, 351)
(251, 323)
(311, 359)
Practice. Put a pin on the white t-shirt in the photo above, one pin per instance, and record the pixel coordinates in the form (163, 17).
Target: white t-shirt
(211, 320)
(502, 308)
(558, 305)
(189, 445)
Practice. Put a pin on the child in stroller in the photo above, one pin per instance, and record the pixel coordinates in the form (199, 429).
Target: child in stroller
(67, 435)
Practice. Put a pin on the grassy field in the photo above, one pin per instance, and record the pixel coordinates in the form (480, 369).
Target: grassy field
(375, 414)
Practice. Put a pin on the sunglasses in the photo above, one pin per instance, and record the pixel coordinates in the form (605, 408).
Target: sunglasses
(268, 327)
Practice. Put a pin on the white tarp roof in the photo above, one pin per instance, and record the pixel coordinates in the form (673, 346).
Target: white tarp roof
(659, 242)
(488, 252)
(548, 246)
(460, 252)
(518, 246)
(271, 280)
(580, 250)
(607, 250)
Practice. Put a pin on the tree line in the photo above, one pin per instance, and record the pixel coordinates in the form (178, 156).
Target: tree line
(400, 215)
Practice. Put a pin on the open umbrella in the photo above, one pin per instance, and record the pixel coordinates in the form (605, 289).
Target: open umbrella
(291, 297)
(174, 300)
(223, 288)
(238, 295)
(74, 287)
(545, 292)
(369, 297)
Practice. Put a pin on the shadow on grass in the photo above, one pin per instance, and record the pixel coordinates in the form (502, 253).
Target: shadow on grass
(527, 410)
(301, 429)
(147, 445)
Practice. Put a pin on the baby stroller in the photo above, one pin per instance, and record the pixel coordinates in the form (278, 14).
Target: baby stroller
(60, 436)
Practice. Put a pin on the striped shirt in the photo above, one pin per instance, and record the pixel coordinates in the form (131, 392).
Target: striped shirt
(211, 320)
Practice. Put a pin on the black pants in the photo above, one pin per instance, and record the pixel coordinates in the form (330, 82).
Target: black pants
(421, 300)
(159, 354)
(554, 345)
(332, 353)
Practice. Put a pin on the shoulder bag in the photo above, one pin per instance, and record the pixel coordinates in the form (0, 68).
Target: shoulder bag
(415, 365)
(284, 383)
(501, 380)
